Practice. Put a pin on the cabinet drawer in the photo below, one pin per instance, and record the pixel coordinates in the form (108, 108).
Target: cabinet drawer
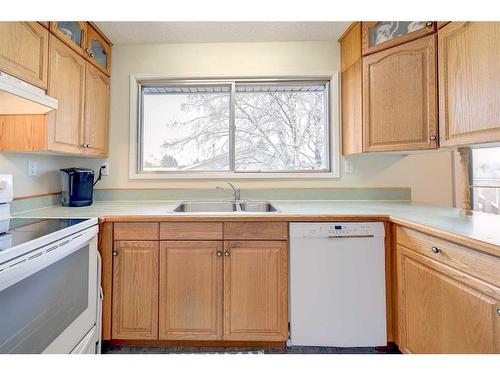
(256, 230)
(483, 266)
(191, 231)
(135, 231)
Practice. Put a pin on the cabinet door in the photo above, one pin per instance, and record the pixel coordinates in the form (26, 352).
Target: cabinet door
(24, 50)
(255, 290)
(99, 50)
(440, 312)
(469, 83)
(352, 124)
(135, 290)
(399, 97)
(73, 33)
(96, 112)
(380, 35)
(191, 290)
(67, 85)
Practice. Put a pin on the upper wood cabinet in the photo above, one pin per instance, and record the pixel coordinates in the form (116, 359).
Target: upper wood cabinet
(73, 33)
(135, 290)
(80, 125)
(67, 85)
(95, 133)
(469, 83)
(24, 48)
(351, 85)
(381, 35)
(59, 63)
(99, 50)
(86, 39)
(255, 290)
(400, 97)
(190, 290)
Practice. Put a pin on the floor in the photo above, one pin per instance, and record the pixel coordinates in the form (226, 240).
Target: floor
(113, 349)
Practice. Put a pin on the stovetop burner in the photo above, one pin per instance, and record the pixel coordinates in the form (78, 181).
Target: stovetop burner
(19, 230)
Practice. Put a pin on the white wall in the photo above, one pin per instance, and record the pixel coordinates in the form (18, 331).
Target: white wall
(47, 181)
(428, 174)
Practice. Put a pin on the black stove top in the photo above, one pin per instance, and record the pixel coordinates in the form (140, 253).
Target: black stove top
(16, 231)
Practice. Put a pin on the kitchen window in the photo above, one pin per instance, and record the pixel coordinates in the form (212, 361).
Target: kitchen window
(485, 179)
(235, 128)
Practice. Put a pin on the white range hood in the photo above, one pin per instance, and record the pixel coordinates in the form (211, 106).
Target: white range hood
(20, 98)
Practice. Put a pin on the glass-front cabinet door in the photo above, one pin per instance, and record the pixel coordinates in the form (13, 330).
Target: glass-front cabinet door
(380, 35)
(73, 33)
(99, 50)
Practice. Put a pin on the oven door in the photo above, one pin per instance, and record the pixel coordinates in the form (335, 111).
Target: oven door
(48, 297)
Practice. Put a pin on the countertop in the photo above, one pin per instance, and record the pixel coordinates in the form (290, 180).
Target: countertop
(480, 230)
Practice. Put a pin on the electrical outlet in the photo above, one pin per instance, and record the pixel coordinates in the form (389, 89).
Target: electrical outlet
(32, 168)
(348, 166)
(105, 169)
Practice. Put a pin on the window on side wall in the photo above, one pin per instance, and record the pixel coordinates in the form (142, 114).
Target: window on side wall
(485, 179)
(235, 128)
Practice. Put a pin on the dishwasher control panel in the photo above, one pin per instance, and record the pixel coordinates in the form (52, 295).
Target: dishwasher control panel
(329, 230)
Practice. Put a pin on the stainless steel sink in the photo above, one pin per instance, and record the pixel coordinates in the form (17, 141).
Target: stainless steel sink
(229, 206)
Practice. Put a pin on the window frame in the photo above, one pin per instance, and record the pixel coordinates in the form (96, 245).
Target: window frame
(136, 127)
(472, 185)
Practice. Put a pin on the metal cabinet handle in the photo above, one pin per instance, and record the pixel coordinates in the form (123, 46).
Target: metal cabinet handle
(498, 311)
(429, 23)
(433, 137)
(219, 253)
(227, 253)
(87, 50)
(436, 250)
(91, 54)
(115, 253)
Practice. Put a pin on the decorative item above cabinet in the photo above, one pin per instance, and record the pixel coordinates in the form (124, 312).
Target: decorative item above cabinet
(380, 35)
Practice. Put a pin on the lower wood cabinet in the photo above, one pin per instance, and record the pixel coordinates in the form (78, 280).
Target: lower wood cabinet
(256, 290)
(135, 290)
(199, 289)
(190, 290)
(444, 310)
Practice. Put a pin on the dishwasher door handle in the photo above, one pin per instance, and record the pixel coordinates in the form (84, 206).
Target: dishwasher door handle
(354, 236)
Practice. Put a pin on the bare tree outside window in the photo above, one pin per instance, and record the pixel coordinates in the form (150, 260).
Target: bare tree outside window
(277, 127)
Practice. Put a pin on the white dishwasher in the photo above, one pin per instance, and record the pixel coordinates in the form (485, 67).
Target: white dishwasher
(337, 284)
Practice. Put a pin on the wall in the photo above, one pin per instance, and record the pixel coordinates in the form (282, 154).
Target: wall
(47, 181)
(428, 174)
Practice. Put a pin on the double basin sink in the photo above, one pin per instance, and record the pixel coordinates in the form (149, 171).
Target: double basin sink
(226, 206)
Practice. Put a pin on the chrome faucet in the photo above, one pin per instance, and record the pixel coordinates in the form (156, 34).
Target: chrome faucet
(235, 193)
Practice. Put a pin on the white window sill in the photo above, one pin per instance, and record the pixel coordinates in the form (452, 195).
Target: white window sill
(233, 176)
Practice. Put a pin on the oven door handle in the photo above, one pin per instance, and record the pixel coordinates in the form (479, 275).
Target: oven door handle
(32, 262)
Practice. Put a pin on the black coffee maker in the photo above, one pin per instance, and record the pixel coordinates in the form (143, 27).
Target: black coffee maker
(77, 187)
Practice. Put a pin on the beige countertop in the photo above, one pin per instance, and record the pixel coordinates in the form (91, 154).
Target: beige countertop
(480, 230)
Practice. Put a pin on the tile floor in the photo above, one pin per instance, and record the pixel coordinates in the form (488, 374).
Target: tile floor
(113, 349)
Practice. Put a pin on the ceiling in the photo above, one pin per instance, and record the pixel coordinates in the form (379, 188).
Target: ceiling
(219, 32)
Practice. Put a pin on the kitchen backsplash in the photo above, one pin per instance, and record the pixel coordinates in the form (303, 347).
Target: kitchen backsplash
(347, 193)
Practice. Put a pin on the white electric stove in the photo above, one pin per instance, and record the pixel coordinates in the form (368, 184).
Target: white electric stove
(50, 296)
